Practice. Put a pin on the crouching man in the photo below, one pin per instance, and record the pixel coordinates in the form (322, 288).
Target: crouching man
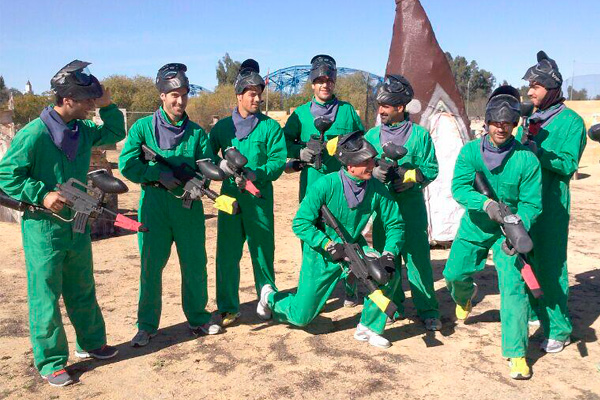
(352, 197)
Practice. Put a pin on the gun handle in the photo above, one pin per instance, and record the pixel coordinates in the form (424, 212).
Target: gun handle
(318, 160)
(80, 222)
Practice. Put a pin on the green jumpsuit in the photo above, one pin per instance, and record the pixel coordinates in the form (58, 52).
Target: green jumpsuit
(58, 261)
(167, 222)
(562, 143)
(318, 274)
(300, 127)
(265, 149)
(416, 252)
(517, 182)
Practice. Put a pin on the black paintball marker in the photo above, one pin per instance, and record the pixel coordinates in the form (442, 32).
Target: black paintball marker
(316, 143)
(594, 133)
(393, 152)
(86, 201)
(195, 184)
(237, 163)
(367, 269)
(514, 232)
(526, 111)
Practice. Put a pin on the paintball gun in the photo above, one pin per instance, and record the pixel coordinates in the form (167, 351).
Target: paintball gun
(365, 268)
(86, 201)
(594, 133)
(237, 163)
(526, 111)
(514, 232)
(195, 184)
(316, 143)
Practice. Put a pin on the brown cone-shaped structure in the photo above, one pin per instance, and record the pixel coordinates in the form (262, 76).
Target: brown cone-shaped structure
(416, 54)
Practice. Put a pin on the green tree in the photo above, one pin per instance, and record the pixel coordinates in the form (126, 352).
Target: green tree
(137, 95)
(227, 70)
(574, 94)
(28, 107)
(478, 83)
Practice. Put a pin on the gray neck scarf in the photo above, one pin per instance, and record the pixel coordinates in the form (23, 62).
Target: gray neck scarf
(168, 136)
(398, 134)
(243, 126)
(543, 117)
(354, 191)
(328, 110)
(65, 138)
(493, 156)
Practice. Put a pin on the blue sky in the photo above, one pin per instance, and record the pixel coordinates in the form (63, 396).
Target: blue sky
(137, 37)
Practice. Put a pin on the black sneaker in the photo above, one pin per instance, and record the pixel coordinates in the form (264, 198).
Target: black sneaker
(103, 353)
(58, 378)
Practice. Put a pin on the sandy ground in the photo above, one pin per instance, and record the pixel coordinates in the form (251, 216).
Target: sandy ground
(267, 360)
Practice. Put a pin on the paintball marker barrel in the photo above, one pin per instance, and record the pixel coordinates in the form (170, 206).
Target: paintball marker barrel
(322, 124)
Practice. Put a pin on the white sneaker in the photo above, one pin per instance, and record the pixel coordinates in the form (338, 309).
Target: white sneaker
(533, 323)
(210, 328)
(350, 301)
(554, 346)
(262, 308)
(433, 324)
(364, 334)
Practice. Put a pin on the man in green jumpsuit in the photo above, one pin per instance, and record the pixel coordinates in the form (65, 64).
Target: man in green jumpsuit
(415, 170)
(171, 134)
(301, 134)
(47, 152)
(260, 139)
(514, 175)
(352, 199)
(556, 135)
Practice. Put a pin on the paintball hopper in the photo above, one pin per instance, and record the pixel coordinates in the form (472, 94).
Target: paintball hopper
(395, 90)
(526, 109)
(106, 182)
(394, 151)
(503, 105)
(248, 76)
(323, 124)
(323, 65)
(209, 170)
(545, 72)
(594, 133)
(172, 77)
(353, 149)
(75, 81)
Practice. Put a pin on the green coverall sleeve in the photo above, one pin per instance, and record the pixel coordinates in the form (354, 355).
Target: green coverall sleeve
(304, 223)
(130, 164)
(564, 159)
(113, 128)
(393, 224)
(292, 130)
(530, 194)
(428, 164)
(15, 179)
(462, 182)
(204, 149)
(358, 125)
(276, 155)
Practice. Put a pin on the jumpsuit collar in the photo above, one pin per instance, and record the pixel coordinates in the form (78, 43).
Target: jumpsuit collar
(64, 136)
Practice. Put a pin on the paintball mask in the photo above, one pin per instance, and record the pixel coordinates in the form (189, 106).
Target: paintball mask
(75, 81)
(172, 77)
(323, 65)
(352, 148)
(503, 105)
(248, 76)
(395, 91)
(545, 72)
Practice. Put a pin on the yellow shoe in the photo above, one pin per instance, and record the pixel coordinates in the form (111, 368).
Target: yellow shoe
(229, 318)
(519, 368)
(463, 312)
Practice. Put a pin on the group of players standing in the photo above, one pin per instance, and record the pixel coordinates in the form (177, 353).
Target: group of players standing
(530, 173)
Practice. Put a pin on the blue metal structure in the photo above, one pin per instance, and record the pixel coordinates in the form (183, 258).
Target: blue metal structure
(195, 90)
(290, 80)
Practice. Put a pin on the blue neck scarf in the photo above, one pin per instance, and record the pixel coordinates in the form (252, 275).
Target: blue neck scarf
(328, 109)
(493, 156)
(354, 190)
(243, 126)
(65, 138)
(398, 133)
(543, 117)
(168, 136)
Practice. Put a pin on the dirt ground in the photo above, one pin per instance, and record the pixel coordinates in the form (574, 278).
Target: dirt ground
(258, 360)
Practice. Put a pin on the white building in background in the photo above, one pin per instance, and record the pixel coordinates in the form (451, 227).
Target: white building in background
(28, 88)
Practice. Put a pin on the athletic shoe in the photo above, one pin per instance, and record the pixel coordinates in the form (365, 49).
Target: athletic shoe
(103, 353)
(262, 308)
(554, 346)
(463, 312)
(208, 328)
(433, 324)
(142, 338)
(228, 318)
(351, 300)
(58, 378)
(534, 323)
(518, 368)
(364, 334)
